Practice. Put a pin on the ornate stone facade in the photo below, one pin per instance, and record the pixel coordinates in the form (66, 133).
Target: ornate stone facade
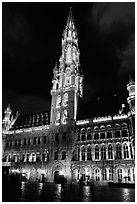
(101, 149)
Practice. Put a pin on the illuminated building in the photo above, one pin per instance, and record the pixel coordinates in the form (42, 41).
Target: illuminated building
(100, 148)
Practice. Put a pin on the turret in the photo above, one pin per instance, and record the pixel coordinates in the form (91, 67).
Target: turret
(7, 119)
(131, 98)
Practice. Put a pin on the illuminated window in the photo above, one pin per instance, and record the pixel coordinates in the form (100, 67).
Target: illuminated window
(110, 155)
(63, 155)
(65, 99)
(111, 174)
(97, 174)
(119, 175)
(104, 174)
(97, 152)
(89, 134)
(126, 153)
(103, 152)
(83, 132)
(118, 152)
(89, 153)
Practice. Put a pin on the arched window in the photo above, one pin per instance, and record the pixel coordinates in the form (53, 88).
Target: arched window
(89, 153)
(97, 174)
(96, 128)
(65, 99)
(102, 127)
(109, 134)
(88, 133)
(117, 131)
(119, 175)
(111, 174)
(83, 153)
(124, 133)
(103, 152)
(126, 153)
(97, 152)
(83, 132)
(104, 174)
(110, 154)
(102, 135)
(124, 126)
(117, 126)
(118, 152)
(108, 127)
(96, 135)
(58, 104)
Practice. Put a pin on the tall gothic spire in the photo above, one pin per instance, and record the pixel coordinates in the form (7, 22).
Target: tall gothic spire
(70, 30)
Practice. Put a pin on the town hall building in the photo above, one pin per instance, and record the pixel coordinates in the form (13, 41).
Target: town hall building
(56, 143)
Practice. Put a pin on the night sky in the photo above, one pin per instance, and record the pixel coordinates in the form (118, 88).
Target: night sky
(31, 45)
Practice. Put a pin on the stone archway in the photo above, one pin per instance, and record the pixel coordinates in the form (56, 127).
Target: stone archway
(57, 170)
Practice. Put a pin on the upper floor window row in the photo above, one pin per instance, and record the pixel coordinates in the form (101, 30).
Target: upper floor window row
(26, 141)
(103, 135)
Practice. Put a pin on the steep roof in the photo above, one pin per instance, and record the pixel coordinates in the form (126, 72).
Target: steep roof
(31, 120)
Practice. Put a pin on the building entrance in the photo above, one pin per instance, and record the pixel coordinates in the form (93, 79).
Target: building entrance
(56, 177)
